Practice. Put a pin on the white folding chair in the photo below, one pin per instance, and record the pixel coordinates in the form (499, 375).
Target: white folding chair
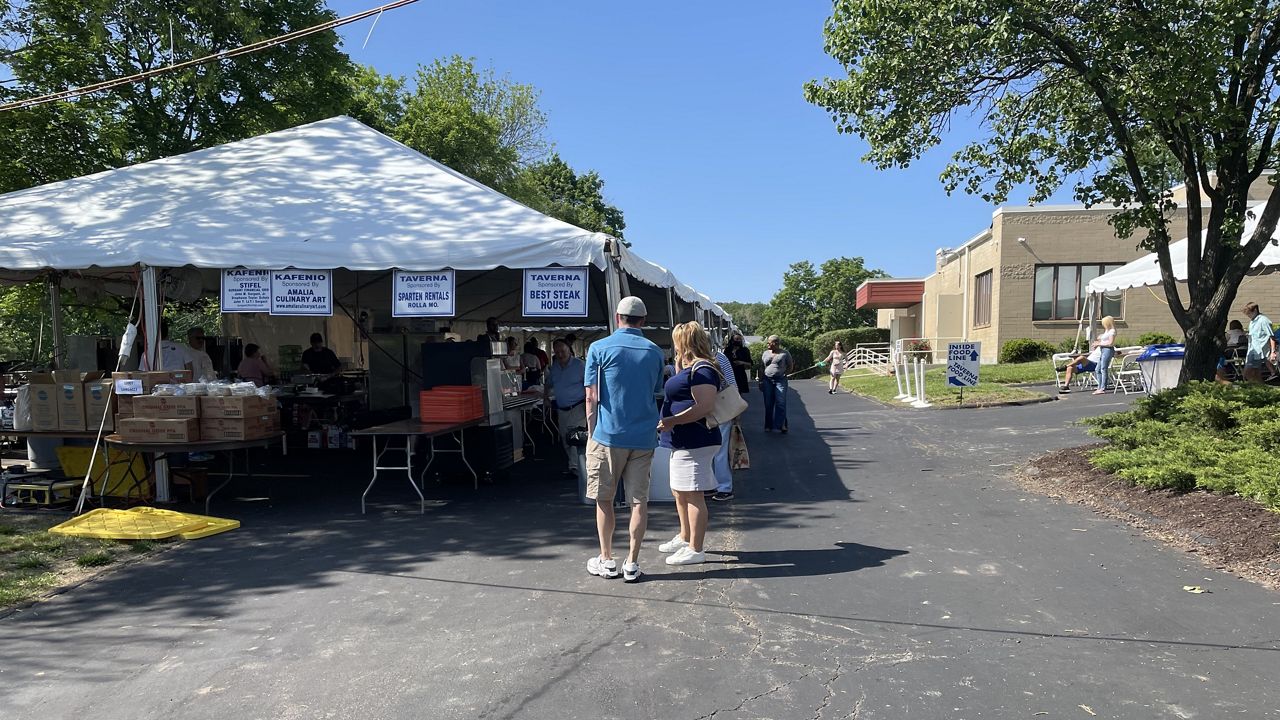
(1129, 376)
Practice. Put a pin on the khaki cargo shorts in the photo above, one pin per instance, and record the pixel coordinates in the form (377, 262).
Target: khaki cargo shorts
(607, 465)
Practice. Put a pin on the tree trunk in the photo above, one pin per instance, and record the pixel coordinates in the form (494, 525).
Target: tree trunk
(1203, 347)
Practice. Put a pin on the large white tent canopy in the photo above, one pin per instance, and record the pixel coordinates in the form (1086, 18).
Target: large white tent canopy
(331, 194)
(1145, 271)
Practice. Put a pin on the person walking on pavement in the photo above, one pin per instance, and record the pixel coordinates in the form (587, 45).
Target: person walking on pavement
(777, 364)
(689, 397)
(622, 374)
(835, 361)
(740, 356)
(565, 380)
(721, 465)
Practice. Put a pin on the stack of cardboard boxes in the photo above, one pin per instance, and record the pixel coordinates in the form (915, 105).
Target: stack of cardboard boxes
(69, 401)
(151, 418)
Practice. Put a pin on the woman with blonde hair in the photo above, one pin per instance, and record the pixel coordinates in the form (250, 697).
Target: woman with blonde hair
(689, 397)
(1107, 344)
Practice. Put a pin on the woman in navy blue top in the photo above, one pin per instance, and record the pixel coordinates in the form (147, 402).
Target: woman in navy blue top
(689, 397)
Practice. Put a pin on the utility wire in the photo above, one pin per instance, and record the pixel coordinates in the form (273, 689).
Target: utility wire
(224, 55)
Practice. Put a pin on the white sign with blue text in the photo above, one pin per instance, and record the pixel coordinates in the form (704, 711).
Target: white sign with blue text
(423, 294)
(302, 292)
(962, 364)
(246, 291)
(555, 292)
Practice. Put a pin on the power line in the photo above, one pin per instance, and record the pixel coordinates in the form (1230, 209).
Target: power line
(224, 55)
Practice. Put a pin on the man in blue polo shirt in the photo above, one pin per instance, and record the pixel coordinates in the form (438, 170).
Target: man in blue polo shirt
(623, 375)
(564, 379)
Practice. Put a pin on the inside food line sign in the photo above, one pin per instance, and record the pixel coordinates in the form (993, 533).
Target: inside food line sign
(555, 292)
(279, 292)
(963, 363)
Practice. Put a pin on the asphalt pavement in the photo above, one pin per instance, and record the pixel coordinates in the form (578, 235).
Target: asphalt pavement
(877, 563)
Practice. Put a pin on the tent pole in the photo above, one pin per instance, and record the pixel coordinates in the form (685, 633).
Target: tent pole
(613, 291)
(151, 351)
(671, 308)
(55, 308)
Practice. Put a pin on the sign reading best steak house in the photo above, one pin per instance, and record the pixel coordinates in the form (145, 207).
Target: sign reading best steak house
(302, 292)
(555, 292)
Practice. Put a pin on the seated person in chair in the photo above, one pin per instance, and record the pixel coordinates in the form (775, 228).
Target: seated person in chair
(1080, 364)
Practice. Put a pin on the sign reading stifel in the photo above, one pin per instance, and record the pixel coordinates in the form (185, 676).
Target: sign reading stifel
(423, 294)
(555, 292)
(246, 291)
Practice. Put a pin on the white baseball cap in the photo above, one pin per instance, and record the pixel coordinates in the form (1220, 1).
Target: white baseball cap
(632, 306)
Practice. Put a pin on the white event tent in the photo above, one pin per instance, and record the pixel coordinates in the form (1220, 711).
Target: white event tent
(1145, 271)
(333, 194)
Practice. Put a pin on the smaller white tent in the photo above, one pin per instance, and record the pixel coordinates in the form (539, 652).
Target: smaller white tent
(1145, 271)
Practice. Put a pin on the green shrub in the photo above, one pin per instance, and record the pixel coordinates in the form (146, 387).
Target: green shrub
(1207, 436)
(1069, 345)
(1155, 338)
(1024, 350)
(849, 337)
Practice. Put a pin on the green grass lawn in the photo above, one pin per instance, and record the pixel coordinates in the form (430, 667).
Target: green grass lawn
(32, 560)
(996, 386)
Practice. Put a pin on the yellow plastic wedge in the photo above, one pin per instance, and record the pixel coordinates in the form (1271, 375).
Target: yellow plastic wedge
(143, 523)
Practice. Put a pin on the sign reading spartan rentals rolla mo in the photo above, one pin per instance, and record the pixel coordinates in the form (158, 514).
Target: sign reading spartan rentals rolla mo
(555, 292)
(423, 294)
(302, 292)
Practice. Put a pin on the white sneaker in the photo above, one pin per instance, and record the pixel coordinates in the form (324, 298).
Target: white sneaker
(673, 545)
(631, 572)
(686, 556)
(602, 568)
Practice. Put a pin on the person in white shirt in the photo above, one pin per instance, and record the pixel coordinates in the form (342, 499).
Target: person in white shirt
(173, 355)
(1106, 345)
(201, 363)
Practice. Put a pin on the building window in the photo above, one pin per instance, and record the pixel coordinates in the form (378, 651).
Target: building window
(982, 299)
(1061, 291)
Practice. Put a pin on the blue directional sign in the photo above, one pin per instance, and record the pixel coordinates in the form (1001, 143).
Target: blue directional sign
(963, 363)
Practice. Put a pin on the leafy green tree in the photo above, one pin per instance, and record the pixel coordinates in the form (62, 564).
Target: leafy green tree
(793, 310)
(481, 125)
(555, 189)
(375, 99)
(1087, 91)
(71, 43)
(836, 294)
(748, 316)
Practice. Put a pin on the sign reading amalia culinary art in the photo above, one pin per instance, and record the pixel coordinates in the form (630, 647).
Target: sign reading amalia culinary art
(423, 294)
(301, 292)
(556, 292)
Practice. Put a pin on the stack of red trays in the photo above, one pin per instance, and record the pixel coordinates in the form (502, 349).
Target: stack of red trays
(451, 404)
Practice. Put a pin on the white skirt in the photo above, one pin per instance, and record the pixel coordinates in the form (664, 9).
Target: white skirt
(691, 470)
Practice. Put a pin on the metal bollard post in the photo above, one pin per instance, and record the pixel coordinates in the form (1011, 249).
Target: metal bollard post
(906, 379)
(898, 377)
(922, 402)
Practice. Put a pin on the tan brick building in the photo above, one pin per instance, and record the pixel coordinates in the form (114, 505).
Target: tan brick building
(1024, 277)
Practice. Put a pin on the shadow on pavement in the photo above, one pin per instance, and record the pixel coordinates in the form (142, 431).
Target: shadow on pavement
(846, 557)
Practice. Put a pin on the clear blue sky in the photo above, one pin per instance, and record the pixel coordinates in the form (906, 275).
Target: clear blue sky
(694, 115)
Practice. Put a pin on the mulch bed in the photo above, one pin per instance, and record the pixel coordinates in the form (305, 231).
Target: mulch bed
(1228, 532)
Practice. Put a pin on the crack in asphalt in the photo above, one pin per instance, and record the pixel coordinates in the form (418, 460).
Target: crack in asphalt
(752, 698)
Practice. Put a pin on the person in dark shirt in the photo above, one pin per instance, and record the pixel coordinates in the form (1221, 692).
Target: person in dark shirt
(740, 356)
(319, 359)
(491, 332)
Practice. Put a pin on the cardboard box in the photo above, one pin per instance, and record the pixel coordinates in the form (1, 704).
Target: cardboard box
(153, 378)
(124, 406)
(71, 406)
(236, 406)
(236, 428)
(315, 439)
(167, 407)
(148, 430)
(44, 402)
(98, 399)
